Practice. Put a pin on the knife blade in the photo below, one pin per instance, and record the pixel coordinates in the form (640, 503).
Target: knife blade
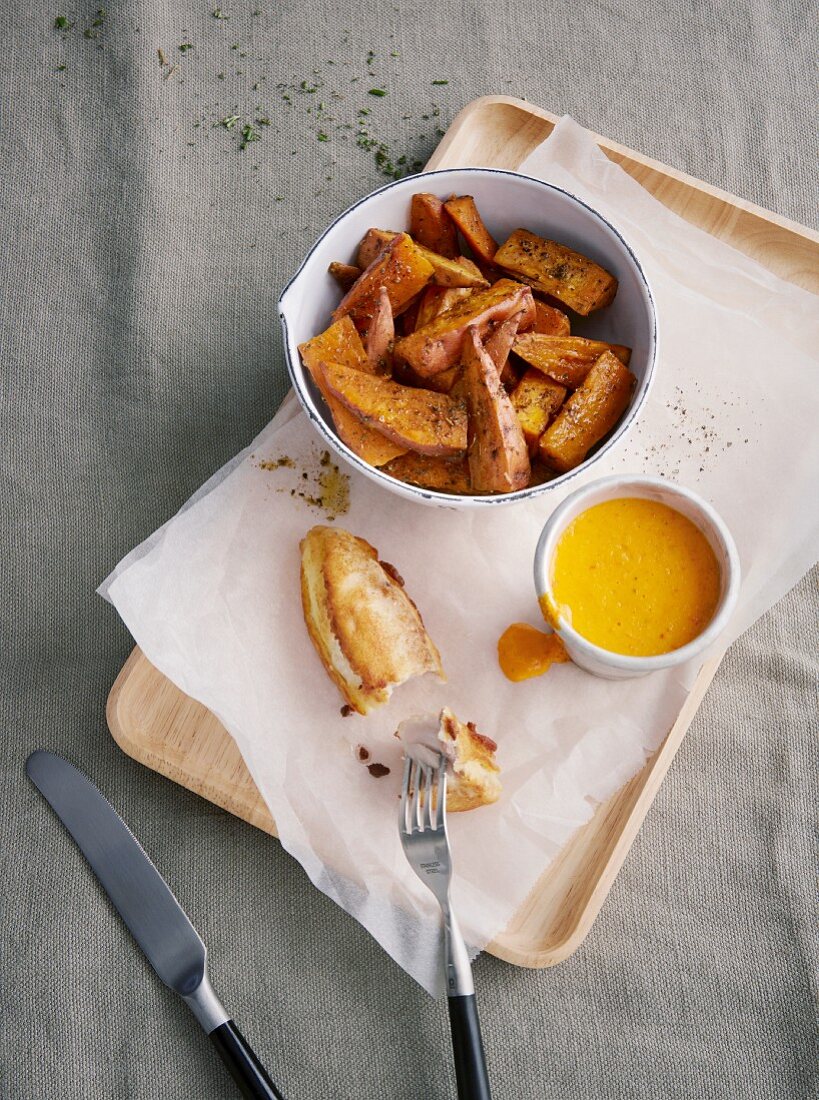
(154, 917)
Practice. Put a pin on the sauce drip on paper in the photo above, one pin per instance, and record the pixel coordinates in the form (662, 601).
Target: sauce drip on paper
(524, 651)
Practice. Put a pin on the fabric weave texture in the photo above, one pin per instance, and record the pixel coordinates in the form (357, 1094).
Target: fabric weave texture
(142, 252)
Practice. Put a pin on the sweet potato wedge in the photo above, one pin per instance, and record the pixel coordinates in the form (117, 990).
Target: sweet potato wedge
(536, 400)
(550, 321)
(445, 475)
(344, 274)
(499, 344)
(400, 268)
(373, 244)
(554, 269)
(566, 359)
(380, 336)
(464, 213)
(458, 272)
(589, 414)
(419, 420)
(340, 343)
(498, 456)
(431, 226)
(436, 300)
(437, 346)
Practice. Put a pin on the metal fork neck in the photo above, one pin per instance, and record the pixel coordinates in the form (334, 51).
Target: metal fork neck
(458, 971)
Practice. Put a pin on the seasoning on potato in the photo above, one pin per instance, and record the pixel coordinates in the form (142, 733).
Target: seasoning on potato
(451, 362)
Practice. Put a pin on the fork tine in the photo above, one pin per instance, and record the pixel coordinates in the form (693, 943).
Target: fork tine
(418, 798)
(404, 810)
(441, 790)
(428, 798)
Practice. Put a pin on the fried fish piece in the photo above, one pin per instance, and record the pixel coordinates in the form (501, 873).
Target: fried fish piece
(472, 770)
(366, 630)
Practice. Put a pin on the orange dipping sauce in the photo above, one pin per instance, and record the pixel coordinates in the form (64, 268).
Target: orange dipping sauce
(633, 576)
(524, 651)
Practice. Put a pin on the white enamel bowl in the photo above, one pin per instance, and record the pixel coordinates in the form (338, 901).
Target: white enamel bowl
(618, 666)
(506, 200)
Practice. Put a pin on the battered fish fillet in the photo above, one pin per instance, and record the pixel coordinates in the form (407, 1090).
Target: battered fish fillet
(472, 775)
(366, 630)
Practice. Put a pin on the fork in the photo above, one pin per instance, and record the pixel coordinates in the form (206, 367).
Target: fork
(422, 826)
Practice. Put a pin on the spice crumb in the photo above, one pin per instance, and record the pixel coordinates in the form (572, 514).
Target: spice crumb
(378, 771)
(362, 753)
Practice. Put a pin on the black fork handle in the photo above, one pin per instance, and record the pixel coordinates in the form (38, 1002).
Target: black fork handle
(467, 1046)
(245, 1068)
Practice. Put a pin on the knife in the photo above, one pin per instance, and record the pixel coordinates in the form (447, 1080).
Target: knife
(154, 917)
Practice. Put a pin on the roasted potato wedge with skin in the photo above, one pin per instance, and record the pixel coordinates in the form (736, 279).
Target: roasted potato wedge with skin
(554, 269)
(437, 346)
(430, 305)
(418, 420)
(340, 343)
(550, 321)
(453, 273)
(499, 344)
(400, 268)
(566, 359)
(537, 400)
(458, 272)
(344, 274)
(498, 456)
(380, 336)
(431, 226)
(588, 415)
(464, 213)
(444, 475)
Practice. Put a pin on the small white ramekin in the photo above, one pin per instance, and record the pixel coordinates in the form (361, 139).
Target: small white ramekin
(619, 666)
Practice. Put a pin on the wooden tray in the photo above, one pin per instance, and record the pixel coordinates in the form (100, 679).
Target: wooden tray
(156, 724)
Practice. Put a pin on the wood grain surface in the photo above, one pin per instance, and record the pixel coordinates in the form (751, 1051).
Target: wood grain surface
(158, 725)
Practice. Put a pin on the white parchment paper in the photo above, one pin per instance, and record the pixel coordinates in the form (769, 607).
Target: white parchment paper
(213, 596)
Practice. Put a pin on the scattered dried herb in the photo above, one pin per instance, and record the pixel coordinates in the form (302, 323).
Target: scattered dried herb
(217, 13)
(378, 91)
(62, 24)
(185, 46)
(248, 135)
(229, 122)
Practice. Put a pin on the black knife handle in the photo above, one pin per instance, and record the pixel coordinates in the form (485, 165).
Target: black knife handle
(467, 1046)
(245, 1068)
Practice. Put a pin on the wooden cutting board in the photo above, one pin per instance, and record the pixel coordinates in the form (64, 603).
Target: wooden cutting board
(156, 724)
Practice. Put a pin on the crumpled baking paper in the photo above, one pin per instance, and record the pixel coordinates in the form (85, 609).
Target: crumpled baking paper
(213, 597)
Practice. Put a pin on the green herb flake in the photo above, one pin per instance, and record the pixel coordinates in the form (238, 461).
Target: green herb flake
(229, 122)
(248, 135)
(98, 22)
(217, 13)
(185, 47)
(378, 92)
(60, 69)
(62, 24)
(440, 82)
(322, 136)
(262, 121)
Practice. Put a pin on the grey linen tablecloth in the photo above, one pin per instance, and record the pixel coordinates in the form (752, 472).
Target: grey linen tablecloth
(142, 253)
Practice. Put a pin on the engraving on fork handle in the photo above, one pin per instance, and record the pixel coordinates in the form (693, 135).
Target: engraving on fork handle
(458, 971)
